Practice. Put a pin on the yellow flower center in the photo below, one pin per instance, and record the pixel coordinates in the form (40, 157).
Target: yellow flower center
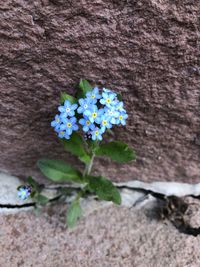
(104, 122)
(121, 117)
(57, 120)
(62, 132)
(108, 100)
(69, 125)
(94, 115)
(92, 96)
(88, 122)
(96, 133)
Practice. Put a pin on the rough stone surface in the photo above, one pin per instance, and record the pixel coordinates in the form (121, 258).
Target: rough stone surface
(113, 236)
(8, 191)
(147, 49)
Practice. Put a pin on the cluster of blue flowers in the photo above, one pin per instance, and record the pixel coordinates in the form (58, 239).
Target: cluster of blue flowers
(99, 111)
(65, 123)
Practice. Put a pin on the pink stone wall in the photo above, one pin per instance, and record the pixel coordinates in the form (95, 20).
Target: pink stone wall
(148, 50)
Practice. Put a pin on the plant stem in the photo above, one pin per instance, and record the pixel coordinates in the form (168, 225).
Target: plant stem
(88, 167)
(78, 196)
(90, 164)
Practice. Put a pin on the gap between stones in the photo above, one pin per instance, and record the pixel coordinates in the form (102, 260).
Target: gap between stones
(171, 208)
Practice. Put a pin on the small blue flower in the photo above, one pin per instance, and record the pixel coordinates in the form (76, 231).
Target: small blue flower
(107, 98)
(122, 118)
(85, 103)
(87, 125)
(68, 109)
(69, 125)
(107, 90)
(24, 192)
(105, 123)
(120, 106)
(112, 113)
(63, 134)
(93, 95)
(56, 123)
(97, 134)
(94, 114)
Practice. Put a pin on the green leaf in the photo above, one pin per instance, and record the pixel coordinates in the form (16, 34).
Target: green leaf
(93, 145)
(109, 131)
(119, 96)
(73, 213)
(104, 189)
(37, 210)
(66, 191)
(59, 171)
(41, 199)
(35, 185)
(64, 96)
(117, 151)
(75, 145)
(84, 87)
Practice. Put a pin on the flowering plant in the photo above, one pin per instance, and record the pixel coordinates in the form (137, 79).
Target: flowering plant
(81, 124)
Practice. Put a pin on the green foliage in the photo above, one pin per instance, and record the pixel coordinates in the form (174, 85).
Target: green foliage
(104, 189)
(75, 145)
(59, 171)
(84, 87)
(64, 96)
(37, 210)
(85, 151)
(117, 151)
(119, 96)
(41, 199)
(73, 213)
(35, 185)
(66, 191)
(93, 145)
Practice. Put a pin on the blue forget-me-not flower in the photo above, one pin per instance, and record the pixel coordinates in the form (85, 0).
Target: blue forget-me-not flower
(97, 134)
(120, 106)
(69, 125)
(112, 113)
(65, 123)
(122, 118)
(93, 95)
(105, 122)
(56, 123)
(107, 98)
(87, 124)
(24, 191)
(106, 90)
(62, 134)
(85, 103)
(94, 114)
(67, 109)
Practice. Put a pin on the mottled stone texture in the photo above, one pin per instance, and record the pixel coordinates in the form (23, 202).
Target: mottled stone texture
(149, 50)
(110, 237)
